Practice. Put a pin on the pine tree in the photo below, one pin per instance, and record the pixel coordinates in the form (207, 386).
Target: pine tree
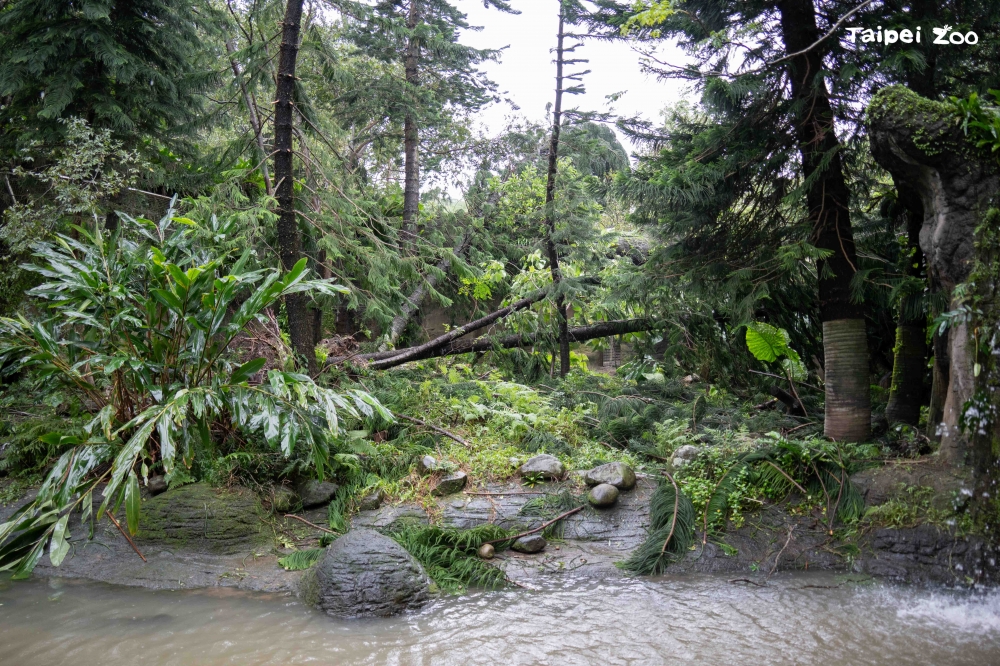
(127, 65)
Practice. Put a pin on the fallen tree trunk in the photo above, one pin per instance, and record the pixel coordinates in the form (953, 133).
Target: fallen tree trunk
(413, 301)
(576, 334)
(421, 351)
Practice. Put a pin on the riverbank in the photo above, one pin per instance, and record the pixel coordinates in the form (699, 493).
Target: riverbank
(229, 538)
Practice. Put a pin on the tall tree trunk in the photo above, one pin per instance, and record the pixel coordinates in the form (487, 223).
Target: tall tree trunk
(289, 236)
(910, 352)
(845, 343)
(550, 196)
(411, 134)
(252, 113)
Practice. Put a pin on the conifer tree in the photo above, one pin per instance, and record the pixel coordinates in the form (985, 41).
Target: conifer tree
(127, 65)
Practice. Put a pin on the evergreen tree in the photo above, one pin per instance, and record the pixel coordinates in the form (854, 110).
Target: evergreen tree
(127, 65)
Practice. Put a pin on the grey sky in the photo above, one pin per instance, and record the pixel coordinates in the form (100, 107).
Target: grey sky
(527, 75)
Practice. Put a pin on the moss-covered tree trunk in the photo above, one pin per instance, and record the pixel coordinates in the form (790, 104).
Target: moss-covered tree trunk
(906, 394)
(845, 342)
(982, 418)
(920, 142)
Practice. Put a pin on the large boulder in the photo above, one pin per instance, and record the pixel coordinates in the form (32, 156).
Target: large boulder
(366, 574)
(450, 484)
(317, 493)
(684, 455)
(615, 474)
(200, 518)
(543, 466)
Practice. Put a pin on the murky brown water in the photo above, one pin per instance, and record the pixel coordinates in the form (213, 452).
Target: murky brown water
(691, 620)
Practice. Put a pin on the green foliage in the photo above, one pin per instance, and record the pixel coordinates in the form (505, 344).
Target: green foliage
(449, 555)
(127, 66)
(139, 324)
(671, 532)
(301, 559)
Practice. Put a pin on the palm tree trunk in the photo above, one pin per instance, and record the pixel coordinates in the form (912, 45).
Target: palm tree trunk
(845, 341)
(289, 236)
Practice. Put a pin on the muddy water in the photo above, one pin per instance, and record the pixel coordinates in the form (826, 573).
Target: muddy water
(794, 620)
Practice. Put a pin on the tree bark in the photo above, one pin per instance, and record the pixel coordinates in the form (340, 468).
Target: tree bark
(848, 400)
(906, 394)
(252, 114)
(411, 134)
(289, 236)
(550, 195)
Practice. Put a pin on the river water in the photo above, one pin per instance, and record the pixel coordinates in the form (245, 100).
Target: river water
(796, 619)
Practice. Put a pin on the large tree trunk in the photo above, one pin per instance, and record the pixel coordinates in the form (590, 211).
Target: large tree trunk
(411, 135)
(575, 334)
(919, 142)
(289, 236)
(845, 343)
(550, 196)
(910, 352)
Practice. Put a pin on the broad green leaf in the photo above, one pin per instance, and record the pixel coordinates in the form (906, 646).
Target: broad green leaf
(248, 369)
(59, 545)
(27, 564)
(132, 499)
(765, 342)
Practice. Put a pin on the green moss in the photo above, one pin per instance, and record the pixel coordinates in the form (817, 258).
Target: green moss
(933, 121)
(204, 519)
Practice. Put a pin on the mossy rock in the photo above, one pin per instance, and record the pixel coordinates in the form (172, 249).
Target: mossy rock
(200, 518)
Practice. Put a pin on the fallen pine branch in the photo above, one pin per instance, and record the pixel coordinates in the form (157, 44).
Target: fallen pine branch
(539, 528)
(435, 428)
(313, 525)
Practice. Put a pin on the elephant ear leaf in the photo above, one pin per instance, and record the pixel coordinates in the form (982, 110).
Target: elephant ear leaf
(247, 370)
(766, 342)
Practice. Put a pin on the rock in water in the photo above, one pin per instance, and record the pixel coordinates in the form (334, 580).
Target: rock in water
(450, 484)
(486, 551)
(533, 543)
(200, 518)
(317, 493)
(545, 466)
(365, 574)
(684, 455)
(616, 474)
(603, 495)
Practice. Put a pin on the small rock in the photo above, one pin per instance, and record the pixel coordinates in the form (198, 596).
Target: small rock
(156, 485)
(533, 543)
(616, 474)
(450, 484)
(603, 495)
(372, 500)
(317, 493)
(427, 464)
(283, 499)
(486, 551)
(545, 466)
(684, 455)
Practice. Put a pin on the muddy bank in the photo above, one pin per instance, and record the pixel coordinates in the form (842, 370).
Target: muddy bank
(199, 537)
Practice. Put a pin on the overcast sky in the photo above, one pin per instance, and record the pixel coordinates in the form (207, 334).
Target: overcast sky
(526, 73)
